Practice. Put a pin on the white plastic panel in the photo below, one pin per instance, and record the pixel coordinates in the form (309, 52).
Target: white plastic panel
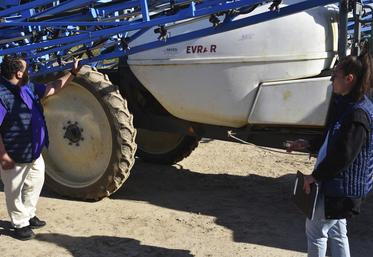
(300, 102)
(217, 94)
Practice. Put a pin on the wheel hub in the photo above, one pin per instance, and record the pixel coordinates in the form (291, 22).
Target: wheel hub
(73, 133)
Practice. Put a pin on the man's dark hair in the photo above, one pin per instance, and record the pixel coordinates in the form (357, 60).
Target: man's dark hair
(10, 65)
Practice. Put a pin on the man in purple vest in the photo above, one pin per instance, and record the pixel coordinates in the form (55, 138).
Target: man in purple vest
(23, 134)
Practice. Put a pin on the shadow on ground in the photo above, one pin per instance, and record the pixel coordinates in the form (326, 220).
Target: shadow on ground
(258, 210)
(97, 246)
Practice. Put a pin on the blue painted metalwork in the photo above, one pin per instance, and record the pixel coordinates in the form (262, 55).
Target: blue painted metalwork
(144, 10)
(104, 33)
(47, 32)
(27, 6)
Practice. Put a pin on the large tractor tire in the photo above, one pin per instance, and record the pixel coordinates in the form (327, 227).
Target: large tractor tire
(92, 138)
(153, 146)
(164, 147)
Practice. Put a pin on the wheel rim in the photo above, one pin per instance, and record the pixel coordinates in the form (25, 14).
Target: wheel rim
(155, 142)
(80, 137)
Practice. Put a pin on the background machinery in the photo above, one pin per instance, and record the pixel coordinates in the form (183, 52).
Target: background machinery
(165, 73)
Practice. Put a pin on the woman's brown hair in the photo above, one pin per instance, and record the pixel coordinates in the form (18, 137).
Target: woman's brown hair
(361, 66)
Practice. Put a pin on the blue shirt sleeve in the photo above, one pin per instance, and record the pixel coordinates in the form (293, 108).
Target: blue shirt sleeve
(40, 89)
(3, 112)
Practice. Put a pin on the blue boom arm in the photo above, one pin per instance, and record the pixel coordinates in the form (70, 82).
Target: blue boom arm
(49, 33)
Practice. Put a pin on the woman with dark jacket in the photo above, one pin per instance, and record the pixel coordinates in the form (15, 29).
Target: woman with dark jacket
(344, 166)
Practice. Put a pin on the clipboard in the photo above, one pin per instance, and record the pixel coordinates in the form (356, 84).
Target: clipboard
(305, 202)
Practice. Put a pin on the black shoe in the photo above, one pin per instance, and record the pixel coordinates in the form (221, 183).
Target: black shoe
(36, 223)
(24, 233)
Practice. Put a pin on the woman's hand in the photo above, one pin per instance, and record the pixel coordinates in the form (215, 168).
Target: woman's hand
(308, 180)
(297, 145)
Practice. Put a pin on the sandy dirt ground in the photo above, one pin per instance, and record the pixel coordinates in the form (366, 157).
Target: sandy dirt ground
(226, 199)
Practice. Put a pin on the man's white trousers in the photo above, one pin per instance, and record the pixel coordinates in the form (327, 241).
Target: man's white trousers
(22, 187)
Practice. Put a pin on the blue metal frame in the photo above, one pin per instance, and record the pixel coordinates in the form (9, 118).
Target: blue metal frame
(41, 30)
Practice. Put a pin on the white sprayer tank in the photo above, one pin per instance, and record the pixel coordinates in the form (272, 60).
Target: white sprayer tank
(215, 79)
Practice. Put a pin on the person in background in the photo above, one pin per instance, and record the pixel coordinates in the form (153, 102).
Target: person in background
(344, 166)
(23, 134)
